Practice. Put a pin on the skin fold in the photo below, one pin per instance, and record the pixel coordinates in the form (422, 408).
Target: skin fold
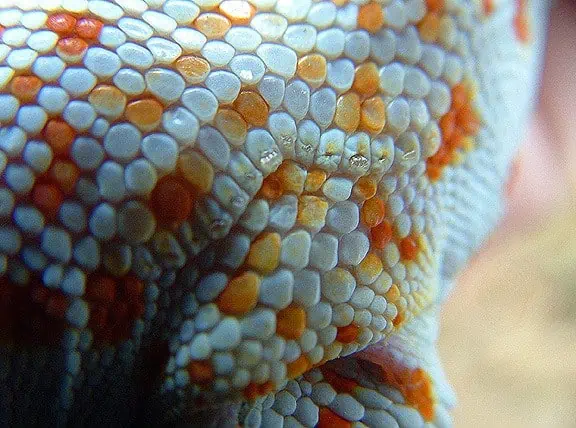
(233, 213)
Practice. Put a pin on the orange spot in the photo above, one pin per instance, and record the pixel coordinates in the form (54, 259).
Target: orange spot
(371, 17)
(255, 390)
(61, 23)
(291, 177)
(314, 180)
(435, 5)
(366, 79)
(393, 293)
(115, 304)
(240, 12)
(457, 126)
(312, 68)
(297, 367)
(488, 6)
(47, 198)
(328, 419)
(271, 188)
(459, 97)
(193, 68)
(72, 48)
(252, 107)
(197, 171)
(171, 201)
(65, 174)
(521, 21)
(146, 114)
(201, 372)
(373, 115)
(212, 25)
(108, 100)
(347, 334)
(60, 136)
(373, 212)
(312, 212)
(347, 115)
(264, 253)
(25, 88)
(429, 27)
(365, 188)
(341, 384)
(369, 268)
(291, 322)
(414, 384)
(240, 295)
(89, 28)
(231, 125)
(381, 235)
(467, 120)
(408, 248)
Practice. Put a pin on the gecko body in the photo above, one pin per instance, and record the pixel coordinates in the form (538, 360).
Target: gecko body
(230, 212)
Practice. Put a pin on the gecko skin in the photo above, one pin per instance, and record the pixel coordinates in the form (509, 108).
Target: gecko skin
(247, 213)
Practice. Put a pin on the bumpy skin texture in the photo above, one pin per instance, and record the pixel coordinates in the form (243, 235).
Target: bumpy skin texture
(231, 212)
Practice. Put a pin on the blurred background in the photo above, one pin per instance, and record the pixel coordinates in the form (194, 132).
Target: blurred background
(508, 337)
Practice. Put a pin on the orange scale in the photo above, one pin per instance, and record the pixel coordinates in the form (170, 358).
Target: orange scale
(520, 22)
(366, 79)
(89, 28)
(108, 100)
(435, 5)
(255, 390)
(328, 419)
(347, 334)
(347, 116)
(61, 23)
(200, 372)
(409, 248)
(467, 120)
(291, 322)
(297, 367)
(393, 293)
(101, 289)
(429, 27)
(264, 253)
(448, 124)
(373, 212)
(231, 124)
(194, 69)
(146, 114)
(252, 107)
(459, 96)
(341, 384)
(314, 180)
(373, 115)
(371, 17)
(212, 25)
(312, 68)
(240, 12)
(60, 136)
(47, 198)
(197, 171)
(381, 235)
(71, 49)
(65, 174)
(25, 88)
(271, 188)
(240, 295)
(292, 177)
(171, 201)
(365, 188)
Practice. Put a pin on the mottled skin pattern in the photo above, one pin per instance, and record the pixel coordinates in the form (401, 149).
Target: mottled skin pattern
(247, 213)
